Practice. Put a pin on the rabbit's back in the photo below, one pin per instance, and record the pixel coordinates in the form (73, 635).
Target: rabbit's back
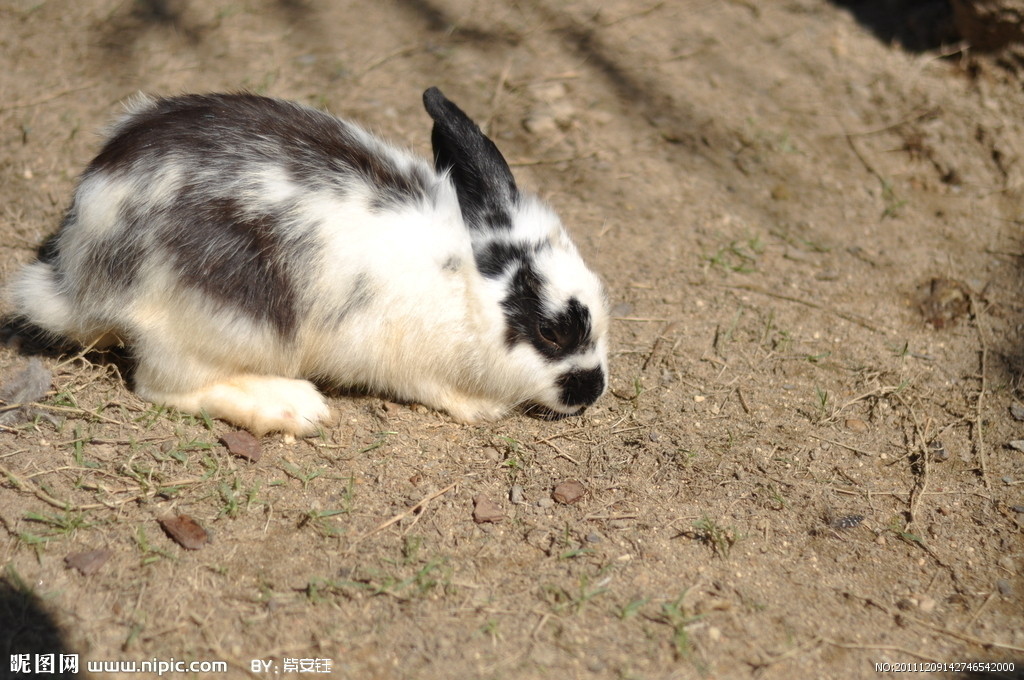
(226, 195)
(232, 136)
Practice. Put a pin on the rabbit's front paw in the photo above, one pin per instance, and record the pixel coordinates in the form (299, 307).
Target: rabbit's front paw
(472, 410)
(258, 403)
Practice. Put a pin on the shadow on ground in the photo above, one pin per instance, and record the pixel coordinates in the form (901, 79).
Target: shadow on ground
(29, 636)
(916, 25)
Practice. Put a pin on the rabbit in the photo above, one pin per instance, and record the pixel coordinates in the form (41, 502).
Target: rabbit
(246, 248)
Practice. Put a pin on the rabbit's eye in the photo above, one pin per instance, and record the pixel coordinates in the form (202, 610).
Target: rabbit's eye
(549, 334)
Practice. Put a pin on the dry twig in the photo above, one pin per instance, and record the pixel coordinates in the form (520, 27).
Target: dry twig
(402, 515)
(979, 437)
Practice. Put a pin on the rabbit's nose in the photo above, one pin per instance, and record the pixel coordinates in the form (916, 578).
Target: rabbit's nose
(581, 387)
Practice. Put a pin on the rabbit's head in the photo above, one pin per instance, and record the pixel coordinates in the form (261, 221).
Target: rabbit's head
(554, 308)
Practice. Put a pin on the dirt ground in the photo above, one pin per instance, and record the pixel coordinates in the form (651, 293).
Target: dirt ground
(809, 223)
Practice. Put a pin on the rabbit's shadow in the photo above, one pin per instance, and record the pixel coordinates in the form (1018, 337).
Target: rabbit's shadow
(27, 340)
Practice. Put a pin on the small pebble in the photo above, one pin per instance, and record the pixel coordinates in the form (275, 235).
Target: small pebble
(781, 192)
(538, 538)
(544, 502)
(1017, 444)
(485, 510)
(540, 123)
(847, 521)
(938, 451)
(25, 387)
(516, 495)
(1004, 587)
(594, 538)
(88, 562)
(856, 425)
(1017, 411)
(569, 492)
(545, 654)
(1007, 479)
(945, 302)
(926, 604)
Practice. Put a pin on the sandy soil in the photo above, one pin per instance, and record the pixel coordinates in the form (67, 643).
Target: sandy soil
(810, 225)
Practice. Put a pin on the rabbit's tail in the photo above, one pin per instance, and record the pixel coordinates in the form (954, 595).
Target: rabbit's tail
(37, 296)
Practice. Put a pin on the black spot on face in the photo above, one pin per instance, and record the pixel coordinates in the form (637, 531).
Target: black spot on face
(495, 258)
(452, 264)
(569, 330)
(554, 336)
(581, 387)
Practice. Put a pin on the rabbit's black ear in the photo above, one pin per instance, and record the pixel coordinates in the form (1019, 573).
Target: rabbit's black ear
(483, 181)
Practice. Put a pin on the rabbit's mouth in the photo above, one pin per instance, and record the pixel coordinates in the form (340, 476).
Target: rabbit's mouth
(542, 412)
